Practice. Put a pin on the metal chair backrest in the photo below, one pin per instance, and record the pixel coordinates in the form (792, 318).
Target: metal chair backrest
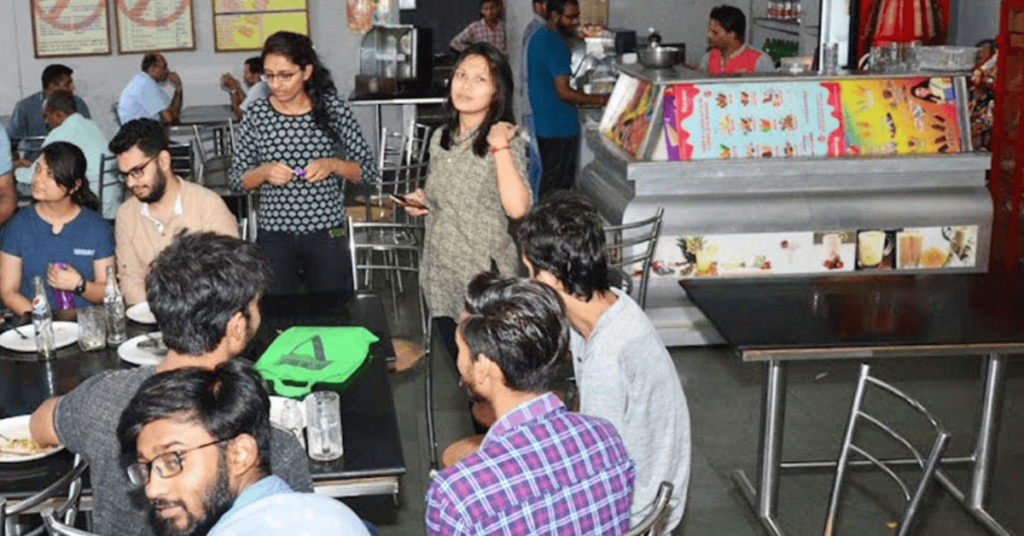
(652, 523)
(214, 139)
(858, 415)
(383, 237)
(57, 528)
(71, 481)
(633, 243)
(110, 181)
(30, 147)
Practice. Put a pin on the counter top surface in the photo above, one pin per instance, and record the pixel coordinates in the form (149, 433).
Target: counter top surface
(681, 73)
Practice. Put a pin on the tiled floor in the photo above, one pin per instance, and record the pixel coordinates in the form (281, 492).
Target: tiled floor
(724, 397)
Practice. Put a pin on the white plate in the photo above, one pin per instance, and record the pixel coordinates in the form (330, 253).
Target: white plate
(64, 333)
(129, 351)
(140, 313)
(17, 428)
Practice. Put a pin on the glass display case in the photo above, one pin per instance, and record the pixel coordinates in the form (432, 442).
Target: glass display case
(767, 176)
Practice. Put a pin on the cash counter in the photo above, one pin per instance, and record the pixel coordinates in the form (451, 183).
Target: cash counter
(768, 176)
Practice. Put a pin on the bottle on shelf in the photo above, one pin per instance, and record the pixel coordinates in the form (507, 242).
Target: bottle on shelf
(42, 320)
(113, 304)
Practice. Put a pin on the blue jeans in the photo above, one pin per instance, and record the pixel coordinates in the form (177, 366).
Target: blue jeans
(324, 259)
(533, 168)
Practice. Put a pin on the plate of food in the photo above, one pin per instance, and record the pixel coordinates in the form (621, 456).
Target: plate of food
(16, 442)
(23, 338)
(141, 314)
(147, 349)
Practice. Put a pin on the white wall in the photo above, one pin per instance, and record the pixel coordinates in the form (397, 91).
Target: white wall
(99, 80)
(976, 20)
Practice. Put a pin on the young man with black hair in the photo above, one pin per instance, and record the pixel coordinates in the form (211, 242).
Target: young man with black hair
(162, 204)
(623, 370)
(540, 469)
(728, 54)
(197, 443)
(553, 101)
(204, 291)
(27, 117)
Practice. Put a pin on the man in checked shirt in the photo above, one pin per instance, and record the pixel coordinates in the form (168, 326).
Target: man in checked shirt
(540, 470)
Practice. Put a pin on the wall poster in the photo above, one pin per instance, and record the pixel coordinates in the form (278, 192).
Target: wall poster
(154, 25)
(245, 24)
(815, 252)
(845, 117)
(70, 28)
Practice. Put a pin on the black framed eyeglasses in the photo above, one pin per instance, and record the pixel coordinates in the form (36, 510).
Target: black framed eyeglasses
(167, 465)
(135, 172)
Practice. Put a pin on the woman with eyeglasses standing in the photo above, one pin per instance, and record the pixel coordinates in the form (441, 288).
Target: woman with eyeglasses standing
(296, 147)
(60, 237)
(476, 185)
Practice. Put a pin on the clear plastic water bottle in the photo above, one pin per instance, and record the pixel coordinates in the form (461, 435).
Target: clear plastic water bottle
(42, 320)
(113, 303)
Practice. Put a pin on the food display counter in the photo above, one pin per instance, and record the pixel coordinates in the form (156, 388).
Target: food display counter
(766, 176)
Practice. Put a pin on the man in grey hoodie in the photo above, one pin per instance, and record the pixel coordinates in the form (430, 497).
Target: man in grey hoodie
(623, 370)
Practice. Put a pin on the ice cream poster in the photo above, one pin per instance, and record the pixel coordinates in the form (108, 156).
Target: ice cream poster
(847, 117)
(752, 120)
(629, 128)
(900, 116)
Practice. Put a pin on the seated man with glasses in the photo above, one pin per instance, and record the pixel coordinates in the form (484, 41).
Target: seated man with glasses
(204, 291)
(197, 442)
(162, 204)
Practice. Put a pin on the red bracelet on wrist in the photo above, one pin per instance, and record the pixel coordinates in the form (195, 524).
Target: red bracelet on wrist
(496, 149)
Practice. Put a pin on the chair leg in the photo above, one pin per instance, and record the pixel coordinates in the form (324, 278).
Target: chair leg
(429, 395)
(926, 477)
(844, 452)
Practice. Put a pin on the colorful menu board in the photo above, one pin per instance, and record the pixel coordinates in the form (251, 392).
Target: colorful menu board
(782, 119)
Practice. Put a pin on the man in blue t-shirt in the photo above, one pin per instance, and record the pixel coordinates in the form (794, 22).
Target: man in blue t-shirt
(552, 100)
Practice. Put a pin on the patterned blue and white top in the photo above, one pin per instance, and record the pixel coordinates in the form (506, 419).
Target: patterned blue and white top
(266, 135)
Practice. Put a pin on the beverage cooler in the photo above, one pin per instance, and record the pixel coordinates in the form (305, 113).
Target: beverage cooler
(772, 176)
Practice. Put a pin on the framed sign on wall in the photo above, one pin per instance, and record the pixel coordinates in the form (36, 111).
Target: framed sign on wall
(70, 28)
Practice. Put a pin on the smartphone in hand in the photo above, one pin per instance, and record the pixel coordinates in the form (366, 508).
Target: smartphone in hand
(406, 203)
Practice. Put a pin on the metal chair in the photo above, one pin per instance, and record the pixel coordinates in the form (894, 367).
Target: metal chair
(928, 465)
(57, 528)
(395, 243)
(651, 525)
(31, 147)
(110, 180)
(214, 139)
(633, 243)
(72, 481)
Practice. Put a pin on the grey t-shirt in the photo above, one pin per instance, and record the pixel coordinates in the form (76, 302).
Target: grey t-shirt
(86, 423)
(625, 375)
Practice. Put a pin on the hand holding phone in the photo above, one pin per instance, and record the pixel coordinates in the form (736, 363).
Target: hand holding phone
(407, 203)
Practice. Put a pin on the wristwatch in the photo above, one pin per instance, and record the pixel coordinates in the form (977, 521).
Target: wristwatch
(81, 287)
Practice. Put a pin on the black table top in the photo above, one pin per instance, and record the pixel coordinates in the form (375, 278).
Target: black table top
(369, 423)
(865, 316)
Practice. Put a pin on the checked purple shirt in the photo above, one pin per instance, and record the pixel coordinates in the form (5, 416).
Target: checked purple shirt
(540, 470)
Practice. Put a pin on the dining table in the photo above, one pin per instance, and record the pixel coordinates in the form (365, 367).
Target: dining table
(372, 463)
(772, 322)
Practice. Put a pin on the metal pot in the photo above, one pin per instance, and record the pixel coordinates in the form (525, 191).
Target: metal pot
(658, 57)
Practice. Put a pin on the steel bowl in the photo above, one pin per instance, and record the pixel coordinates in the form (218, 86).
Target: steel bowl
(658, 57)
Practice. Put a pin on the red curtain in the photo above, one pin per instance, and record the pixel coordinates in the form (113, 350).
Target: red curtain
(887, 21)
(1007, 175)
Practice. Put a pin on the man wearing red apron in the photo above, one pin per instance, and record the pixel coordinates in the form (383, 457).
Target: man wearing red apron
(728, 53)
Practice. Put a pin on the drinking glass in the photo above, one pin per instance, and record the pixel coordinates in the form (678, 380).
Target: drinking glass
(92, 328)
(323, 425)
